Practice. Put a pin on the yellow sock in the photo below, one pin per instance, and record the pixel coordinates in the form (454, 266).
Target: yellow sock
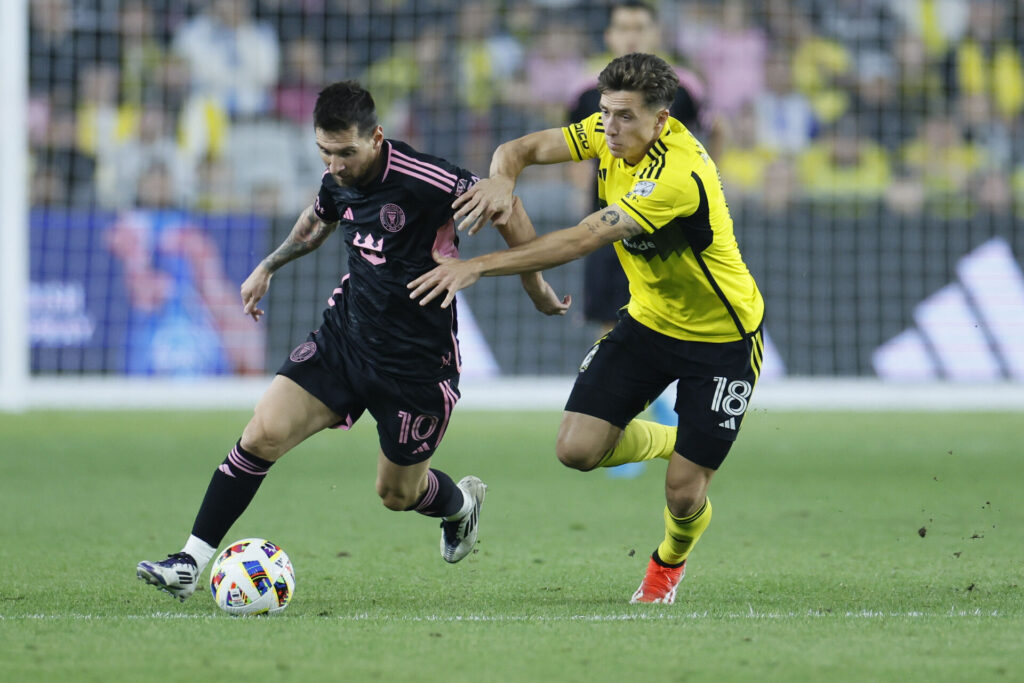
(682, 534)
(641, 440)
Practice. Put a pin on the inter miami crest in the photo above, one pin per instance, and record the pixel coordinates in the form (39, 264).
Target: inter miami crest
(392, 217)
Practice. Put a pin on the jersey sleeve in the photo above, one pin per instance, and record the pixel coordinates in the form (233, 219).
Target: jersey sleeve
(323, 206)
(585, 138)
(464, 180)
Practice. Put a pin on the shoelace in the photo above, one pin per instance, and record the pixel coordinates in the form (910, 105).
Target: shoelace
(179, 558)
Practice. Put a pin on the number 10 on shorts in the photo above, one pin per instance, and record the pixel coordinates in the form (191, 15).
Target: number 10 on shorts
(731, 397)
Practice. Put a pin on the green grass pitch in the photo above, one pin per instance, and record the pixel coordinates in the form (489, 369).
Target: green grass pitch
(843, 547)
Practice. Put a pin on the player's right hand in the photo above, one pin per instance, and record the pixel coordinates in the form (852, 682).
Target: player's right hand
(489, 200)
(253, 289)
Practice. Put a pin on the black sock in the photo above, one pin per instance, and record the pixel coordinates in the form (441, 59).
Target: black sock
(231, 490)
(442, 497)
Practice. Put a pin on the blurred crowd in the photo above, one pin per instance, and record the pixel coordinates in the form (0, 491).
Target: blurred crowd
(914, 104)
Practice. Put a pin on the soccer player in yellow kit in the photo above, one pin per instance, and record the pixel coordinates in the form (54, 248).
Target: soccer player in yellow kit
(694, 313)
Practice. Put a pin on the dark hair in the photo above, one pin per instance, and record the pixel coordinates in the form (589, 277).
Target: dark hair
(631, 5)
(344, 104)
(639, 72)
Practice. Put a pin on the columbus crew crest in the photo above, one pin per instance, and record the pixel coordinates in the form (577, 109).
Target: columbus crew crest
(392, 217)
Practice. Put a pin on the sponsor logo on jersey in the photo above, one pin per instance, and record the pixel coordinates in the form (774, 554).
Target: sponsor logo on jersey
(581, 134)
(638, 246)
(392, 217)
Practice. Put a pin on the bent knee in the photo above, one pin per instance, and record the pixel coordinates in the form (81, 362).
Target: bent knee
(265, 437)
(684, 500)
(396, 499)
(576, 455)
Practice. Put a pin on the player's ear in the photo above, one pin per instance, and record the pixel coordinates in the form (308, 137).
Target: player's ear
(377, 137)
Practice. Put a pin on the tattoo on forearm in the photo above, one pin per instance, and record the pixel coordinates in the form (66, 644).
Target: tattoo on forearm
(308, 234)
(610, 217)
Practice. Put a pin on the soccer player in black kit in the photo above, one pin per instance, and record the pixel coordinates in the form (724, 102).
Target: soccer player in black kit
(375, 351)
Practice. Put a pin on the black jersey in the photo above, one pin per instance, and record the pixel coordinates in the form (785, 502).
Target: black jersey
(391, 227)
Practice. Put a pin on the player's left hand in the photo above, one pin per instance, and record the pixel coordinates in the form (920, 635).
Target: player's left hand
(450, 276)
(544, 297)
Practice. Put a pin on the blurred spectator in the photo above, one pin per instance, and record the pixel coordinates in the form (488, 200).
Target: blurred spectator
(232, 58)
(876, 100)
(843, 164)
(987, 61)
(784, 117)
(555, 58)
(151, 146)
(744, 163)
(919, 82)
(301, 80)
(936, 23)
(867, 25)
(823, 70)
(487, 57)
(100, 122)
(142, 54)
(943, 161)
(731, 58)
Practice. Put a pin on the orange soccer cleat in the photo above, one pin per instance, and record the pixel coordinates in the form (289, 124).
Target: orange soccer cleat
(660, 583)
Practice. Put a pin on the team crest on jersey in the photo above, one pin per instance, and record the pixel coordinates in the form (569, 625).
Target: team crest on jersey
(303, 351)
(643, 188)
(392, 217)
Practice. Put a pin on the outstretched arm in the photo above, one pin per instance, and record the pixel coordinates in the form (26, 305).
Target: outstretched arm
(519, 230)
(491, 198)
(550, 250)
(308, 233)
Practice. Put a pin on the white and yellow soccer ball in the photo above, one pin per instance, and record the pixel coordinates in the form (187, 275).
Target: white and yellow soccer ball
(252, 576)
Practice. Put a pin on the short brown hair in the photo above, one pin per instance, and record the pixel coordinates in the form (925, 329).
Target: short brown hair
(639, 72)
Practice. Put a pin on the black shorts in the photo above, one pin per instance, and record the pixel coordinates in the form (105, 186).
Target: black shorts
(605, 287)
(631, 365)
(411, 416)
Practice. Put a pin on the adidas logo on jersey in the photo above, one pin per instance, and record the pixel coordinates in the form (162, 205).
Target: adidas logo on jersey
(728, 424)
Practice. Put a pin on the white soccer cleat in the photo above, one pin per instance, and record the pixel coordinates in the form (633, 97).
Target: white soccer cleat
(458, 536)
(177, 575)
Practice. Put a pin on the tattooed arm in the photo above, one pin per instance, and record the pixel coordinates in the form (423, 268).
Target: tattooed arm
(550, 250)
(308, 233)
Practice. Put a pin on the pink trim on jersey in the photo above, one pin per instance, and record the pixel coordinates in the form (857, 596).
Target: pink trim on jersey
(450, 399)
(432, 488)
(433, 168)
(345, 424)
(455, 343)
(428, 173)
(427, 179)
(444, 243)
(387, 164)
(337, 290)
(242, 463)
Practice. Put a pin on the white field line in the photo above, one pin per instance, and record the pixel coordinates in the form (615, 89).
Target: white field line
(526, 618)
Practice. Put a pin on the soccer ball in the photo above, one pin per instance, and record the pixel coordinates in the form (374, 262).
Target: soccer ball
(252, 576)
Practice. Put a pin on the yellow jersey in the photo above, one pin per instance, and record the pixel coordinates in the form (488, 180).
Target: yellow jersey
(687, 278)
